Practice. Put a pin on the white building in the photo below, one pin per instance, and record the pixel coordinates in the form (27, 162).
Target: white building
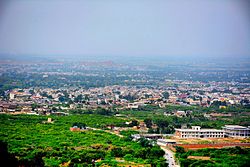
(164, 142)
(12, 95)
(134, 105)
(197, 132)
(236, 131)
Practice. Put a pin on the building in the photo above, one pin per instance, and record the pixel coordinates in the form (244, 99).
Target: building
(135, 105)
(74, 128)
(147, 136)
(165, 142)
(49, 120)
(12, 95)
(142, 127)
(236, 131)
(78, 128)
(180, 113)
(197, 132)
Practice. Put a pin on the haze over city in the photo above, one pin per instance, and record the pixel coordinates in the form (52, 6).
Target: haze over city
(111, 29)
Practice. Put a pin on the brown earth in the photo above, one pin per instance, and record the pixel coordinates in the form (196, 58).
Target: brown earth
(198, 157)
(217, 145)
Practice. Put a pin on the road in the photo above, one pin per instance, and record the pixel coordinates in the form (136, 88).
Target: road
(169, 156)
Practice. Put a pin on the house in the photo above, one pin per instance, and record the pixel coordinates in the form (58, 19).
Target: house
(142, 127)
(12, 108)
(48, 121)
(154, 126)
(59, 113)
(111, 127)
(74, 128)
(180, 113)
(134, 105)
(26, 109)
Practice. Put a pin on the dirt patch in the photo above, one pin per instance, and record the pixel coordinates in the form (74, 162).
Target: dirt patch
(211, 140)
(216, 145)
(198, 157)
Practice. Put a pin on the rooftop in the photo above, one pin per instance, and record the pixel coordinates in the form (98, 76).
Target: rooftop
(234, 127)
(201, 130)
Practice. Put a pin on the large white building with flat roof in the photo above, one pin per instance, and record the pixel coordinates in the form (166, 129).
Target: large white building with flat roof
(236, 131)
(197, 132)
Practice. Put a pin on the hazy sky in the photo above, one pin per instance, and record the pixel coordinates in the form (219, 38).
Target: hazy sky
(125, 27)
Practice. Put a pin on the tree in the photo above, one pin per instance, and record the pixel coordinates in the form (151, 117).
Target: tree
(134, 123)
(145, 142)
(117, 152)
(80, 125)
(179, 149)
(165, 95)
(44, 94)
(54, 109)
(148, 122)
(156, 152)
(103, 111)
(78, 99)
(5, 157)
(31, 91)
(34, 106)
(162, 124)
(62, 99)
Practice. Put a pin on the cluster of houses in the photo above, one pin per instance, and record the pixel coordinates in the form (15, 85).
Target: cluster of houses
(129, 97)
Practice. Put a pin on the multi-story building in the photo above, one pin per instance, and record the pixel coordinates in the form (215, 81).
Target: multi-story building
(197, 132)
(236, 131)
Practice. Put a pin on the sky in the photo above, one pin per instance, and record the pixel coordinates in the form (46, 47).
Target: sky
(144, 28)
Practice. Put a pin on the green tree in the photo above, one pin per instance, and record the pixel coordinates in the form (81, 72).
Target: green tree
(165, 95)
(78, 99)
(5, 157)
(148, 122)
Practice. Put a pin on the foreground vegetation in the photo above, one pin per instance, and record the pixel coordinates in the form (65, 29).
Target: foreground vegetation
(233, 157)
(33, 142)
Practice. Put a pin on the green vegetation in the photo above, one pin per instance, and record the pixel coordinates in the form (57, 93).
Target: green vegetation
(127, 134)
(33, 142)
(235, 157)
(166, 124)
